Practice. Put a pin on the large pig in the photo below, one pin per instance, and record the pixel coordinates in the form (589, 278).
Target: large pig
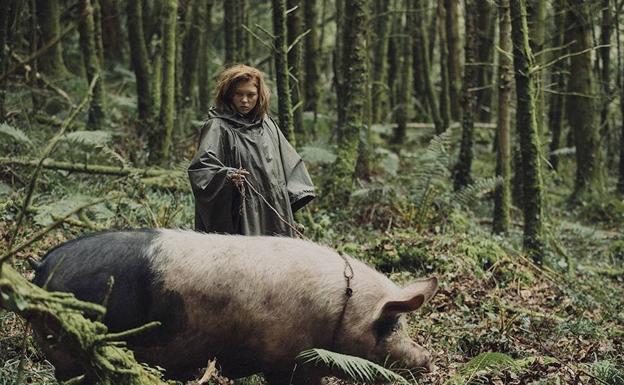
(253, 303)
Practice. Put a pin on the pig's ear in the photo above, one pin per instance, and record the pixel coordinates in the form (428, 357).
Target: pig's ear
(411, 298)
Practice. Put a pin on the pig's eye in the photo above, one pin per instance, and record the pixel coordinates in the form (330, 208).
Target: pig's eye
(385, 326)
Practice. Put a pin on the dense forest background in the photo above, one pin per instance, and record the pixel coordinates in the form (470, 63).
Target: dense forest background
(478, 141)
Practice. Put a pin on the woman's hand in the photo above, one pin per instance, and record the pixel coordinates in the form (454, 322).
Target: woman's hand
(237, 177)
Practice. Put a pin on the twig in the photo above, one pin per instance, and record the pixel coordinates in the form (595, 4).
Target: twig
(127, 333)
(46, 152)
(252, 33)
(297, 40)
(571, 54)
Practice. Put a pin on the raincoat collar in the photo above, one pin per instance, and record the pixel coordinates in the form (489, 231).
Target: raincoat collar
(237, 120)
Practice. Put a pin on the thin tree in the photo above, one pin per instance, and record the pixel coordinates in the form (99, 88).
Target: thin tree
(526, 126)
(404, 78)
(445, 91)
(312, 90)
(51, 61)
(113, 35)
(91, 64)
(606, 31)
(140, 60)
(229, 31)
(454, 64)
(620, 72)
(355, 83)
(486, 23)
(281, 70)
(502, 194)
(5, 8)
(558, 80)
(580, 103)
(427, 77)
(167, 107)
(204, 71)
(381, 18)
(462, 172)
(295, 64)
(536, 19)
(192, 50)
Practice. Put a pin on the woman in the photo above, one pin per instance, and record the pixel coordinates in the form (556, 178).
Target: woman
(246, 177)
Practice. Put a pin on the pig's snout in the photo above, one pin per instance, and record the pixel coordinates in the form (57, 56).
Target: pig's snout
(412, 356)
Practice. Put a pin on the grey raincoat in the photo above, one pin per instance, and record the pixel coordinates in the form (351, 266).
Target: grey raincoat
(228, 142)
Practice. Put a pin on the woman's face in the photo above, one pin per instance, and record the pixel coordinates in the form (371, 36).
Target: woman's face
(245, 97)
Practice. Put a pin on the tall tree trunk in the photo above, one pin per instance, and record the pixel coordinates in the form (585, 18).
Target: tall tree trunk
(536, 14)
(354, 67)
(558, 80)
(425, 67)
(49, 15)
(445, 92)
(167, 106)
(502, 195)
(312, 90)
(462, 172)
(526, 126)
(606, 31)
(620, 76)
(394, 55)
(229, 31)
(205, 53)
(5, 9)
(404, 77)
(112, 33)
(379, 60)
(241, 35)
(338, 61)
(140, 60)
(454, 64)
(281, 70)
(486, 23)
(432, 29)
(191, 51)
(414, 31)
(293, 23)
(580, 105)
(91, 64)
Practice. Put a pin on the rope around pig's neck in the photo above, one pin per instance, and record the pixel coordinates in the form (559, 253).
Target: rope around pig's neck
(348, 269)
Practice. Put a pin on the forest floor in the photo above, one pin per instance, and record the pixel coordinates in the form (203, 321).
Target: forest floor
(497, 318)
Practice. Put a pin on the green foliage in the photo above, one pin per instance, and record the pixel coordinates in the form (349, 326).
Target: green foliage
(356, 368)
(90, 138)
(608, 373)
(15, 134)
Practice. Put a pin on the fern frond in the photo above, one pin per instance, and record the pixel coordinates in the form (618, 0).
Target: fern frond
(474, 191)
(359, 369)
(89, 138)
(489, 361)
(116, 157)
(15, 133)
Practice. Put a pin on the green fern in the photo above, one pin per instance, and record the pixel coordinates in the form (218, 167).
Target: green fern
(89, 138)
(14, 133)
(492, 362)
(469, 194)
(608, 373)
(359, 369)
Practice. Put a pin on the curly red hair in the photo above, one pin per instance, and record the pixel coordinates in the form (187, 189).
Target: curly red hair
(230, 78)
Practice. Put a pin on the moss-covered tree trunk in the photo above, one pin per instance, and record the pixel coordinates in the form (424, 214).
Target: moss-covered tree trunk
(526, 126)
(580, 103)
(430, 95)
(338, 54)
(558, 81)
(606, 32)
(113, 36)
(229, 31)
(454, 62)
(191, 52)
(394, 55)
(404, 78)
(205, 53)
(5, 8)
(281, 70)
(462, 171)
(445, 87)
(92, 65)
(536, 19)
(502, 194)
(355, 78)
(48, 16)
(295, 56)
(140, 60)
(167, 106)
(486, 23)
(416, 18)
(61, 319)
(312, 56)
(379, 58)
